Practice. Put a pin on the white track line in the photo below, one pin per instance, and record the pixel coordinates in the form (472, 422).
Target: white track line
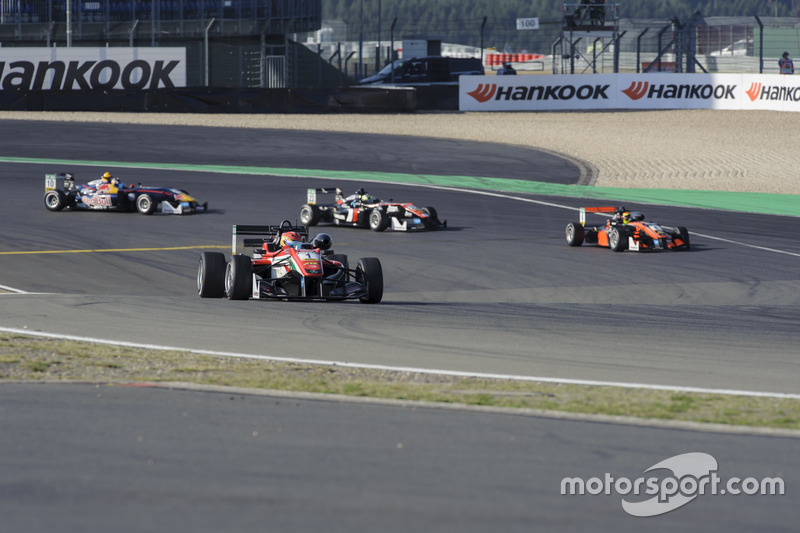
(12, 289)
(455, 373)
(794, 254)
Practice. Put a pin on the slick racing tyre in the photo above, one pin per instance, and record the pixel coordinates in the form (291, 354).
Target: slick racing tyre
(211, 275)
(145, 204)
(239, 278)
(309, 215)
(369, 274)
(431, 212)
(616, 240)
(683, 234)
(574, 234)
(55, 200)
(378, 220)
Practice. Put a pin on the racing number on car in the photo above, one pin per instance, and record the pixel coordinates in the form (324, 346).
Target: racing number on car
(49, 184)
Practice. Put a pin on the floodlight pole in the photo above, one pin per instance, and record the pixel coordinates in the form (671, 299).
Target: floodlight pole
(361, 44)
(483, 25)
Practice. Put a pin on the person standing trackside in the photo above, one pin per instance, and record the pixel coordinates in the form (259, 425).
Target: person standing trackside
(506, 70)
(786, 64)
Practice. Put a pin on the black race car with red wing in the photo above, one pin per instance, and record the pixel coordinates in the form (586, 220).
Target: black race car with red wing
(280, 262)
(626, 230)
(363, 210)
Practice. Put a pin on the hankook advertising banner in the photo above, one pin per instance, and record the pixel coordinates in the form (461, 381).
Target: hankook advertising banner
(629, 91)
(78, 68)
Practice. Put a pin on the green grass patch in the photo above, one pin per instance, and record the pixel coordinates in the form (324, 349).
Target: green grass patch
(37, 365)
(38, 359)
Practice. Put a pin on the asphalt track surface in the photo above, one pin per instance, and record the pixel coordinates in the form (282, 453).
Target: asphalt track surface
(499, 292)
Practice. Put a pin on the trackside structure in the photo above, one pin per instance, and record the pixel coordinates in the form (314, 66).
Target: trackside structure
(229, 43)
(589, 30)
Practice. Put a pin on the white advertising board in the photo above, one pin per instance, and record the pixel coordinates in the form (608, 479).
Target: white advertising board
(528, 23)
(629, 91)
(81, 68)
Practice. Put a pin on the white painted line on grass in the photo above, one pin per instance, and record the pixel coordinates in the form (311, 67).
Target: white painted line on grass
(454, 373)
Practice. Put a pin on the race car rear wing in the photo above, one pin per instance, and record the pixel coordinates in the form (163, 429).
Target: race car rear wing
(62, 180)
(311, 194)
(585, 210)
(249, 237)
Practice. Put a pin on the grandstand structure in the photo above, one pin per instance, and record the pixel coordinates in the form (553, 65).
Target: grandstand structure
(229, 43)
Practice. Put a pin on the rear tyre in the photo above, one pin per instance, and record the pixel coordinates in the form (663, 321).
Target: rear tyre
(616, 240)
(211, 275)
(369, 274)
(145, 204)
(239, 278)
(574, 234)
(55, 200)
(378, 220)
(309, 215)
(683, 234)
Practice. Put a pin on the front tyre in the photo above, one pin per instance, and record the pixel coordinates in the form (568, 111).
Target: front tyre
(309, 215)
(431, 212)
(378, 220)
(683, 234)
(145, 204)
(55, 200)
(616, 240)
(211, 275)
(574, 234)
(239, 278)
(369, 274)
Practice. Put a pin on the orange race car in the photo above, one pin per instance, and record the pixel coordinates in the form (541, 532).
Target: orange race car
(626, 230)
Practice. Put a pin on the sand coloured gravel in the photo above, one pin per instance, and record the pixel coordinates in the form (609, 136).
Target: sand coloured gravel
(750, 151)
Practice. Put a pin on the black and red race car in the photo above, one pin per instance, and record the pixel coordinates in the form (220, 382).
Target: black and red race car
(626, 230)
(363, 210)
(279, 262)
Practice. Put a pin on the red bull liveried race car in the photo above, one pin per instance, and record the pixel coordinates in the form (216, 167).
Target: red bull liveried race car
(280, 262)
(626, 230)
(363, 210)
(109, 193)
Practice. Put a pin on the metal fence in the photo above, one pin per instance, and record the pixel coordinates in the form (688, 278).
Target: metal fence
(713, 44)
(285, 15)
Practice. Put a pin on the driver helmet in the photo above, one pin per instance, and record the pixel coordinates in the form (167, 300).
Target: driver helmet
(626, 217)
(367, 198)
(106, 177)
(290, 238)
(323, 241)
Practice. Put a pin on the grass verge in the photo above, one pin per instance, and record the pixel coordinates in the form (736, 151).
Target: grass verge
(41, 359)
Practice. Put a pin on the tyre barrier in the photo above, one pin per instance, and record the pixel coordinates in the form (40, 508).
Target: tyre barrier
(498, 59)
